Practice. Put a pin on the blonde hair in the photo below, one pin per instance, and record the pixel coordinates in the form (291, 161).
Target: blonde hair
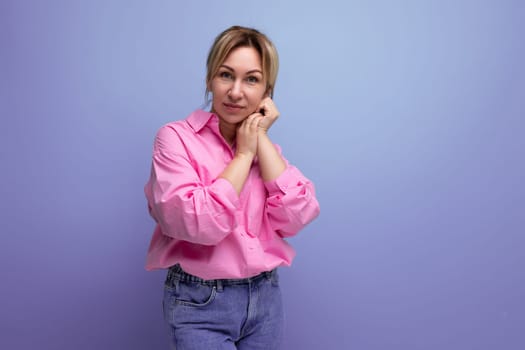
(235, 37)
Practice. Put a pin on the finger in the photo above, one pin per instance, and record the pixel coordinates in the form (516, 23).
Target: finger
(263, 106)
(251, 117)
(247, 121)
(255, 122)
(269, 109)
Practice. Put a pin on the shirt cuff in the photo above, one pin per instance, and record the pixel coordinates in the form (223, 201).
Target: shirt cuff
(289, 178)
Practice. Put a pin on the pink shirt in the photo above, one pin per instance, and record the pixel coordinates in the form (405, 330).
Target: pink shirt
(202, 223)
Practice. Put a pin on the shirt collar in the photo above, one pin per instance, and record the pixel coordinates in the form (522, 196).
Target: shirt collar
(199, 119)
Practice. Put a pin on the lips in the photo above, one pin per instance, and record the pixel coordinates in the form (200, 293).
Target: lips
(232, 106)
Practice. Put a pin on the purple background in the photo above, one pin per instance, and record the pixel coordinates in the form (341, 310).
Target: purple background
(408, 116)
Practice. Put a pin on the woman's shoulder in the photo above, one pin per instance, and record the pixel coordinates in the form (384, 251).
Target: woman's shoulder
(194, 121)
(182, 130)
(175, 125)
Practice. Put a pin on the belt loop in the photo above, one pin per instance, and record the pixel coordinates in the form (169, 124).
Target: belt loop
(269, 274)
(274, 277)
(219, 285)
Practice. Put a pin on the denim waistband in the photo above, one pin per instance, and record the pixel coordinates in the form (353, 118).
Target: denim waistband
(176, 272)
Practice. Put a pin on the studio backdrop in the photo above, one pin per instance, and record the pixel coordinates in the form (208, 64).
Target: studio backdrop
(407, 115)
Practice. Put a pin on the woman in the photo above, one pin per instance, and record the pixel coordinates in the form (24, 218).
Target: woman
(224, 199)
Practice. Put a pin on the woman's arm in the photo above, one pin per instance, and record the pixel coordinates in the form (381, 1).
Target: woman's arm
(270, 161)
(236, 172)
(291, 203)
(184, 207)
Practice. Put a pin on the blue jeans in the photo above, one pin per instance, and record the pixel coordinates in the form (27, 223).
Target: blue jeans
(242, 314)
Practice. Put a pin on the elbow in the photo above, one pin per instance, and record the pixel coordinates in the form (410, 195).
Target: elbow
(307, 208)
(310, 208)
(313, 210)
(193, 235)
(302, 217)
(194, 217)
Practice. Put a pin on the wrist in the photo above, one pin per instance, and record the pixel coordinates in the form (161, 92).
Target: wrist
(244, 156)
(262, 132)
(263, 138)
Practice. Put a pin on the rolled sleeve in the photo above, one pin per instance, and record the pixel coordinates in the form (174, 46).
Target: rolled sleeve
(291, 202)
(183, 206)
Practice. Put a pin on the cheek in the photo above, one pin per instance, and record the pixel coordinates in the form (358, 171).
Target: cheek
(216, 88)
(257, 96)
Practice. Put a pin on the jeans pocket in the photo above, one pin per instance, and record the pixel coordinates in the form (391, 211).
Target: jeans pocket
(194, 294)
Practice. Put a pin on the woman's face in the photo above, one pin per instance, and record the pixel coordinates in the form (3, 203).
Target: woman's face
(238, 87)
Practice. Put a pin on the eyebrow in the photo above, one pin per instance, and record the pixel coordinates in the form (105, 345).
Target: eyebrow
(248, 72)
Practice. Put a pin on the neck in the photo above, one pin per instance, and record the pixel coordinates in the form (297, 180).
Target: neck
(228, 131)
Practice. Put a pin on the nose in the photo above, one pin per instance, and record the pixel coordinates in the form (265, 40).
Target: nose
(235, 92)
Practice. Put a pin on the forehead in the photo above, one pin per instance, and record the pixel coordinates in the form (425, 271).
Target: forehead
(243, 58)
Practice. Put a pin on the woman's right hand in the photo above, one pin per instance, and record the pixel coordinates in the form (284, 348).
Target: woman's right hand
(247, 135)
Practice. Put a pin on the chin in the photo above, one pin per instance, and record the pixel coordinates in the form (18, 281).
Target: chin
(232, 118)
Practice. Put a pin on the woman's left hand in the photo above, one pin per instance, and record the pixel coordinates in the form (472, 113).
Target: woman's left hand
(270, 112)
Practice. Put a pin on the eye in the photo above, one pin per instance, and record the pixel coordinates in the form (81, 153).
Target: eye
(225, 75)
(252, 79)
